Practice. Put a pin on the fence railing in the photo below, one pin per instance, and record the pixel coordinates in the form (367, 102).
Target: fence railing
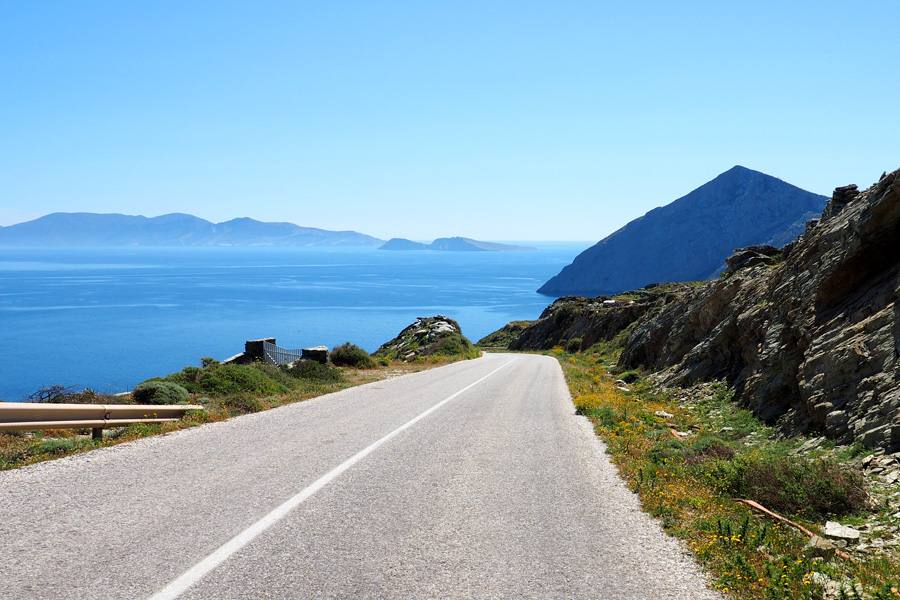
(26, 416)
(276, 355)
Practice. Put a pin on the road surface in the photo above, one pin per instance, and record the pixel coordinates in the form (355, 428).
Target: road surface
(474, 480)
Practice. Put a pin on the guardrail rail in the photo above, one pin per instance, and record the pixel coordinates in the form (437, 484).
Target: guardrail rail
(26, 416)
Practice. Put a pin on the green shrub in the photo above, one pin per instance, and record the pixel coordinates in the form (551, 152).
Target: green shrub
(564, 313)
(384, 361)
(573, 345)
(453, 344)
(629, 376)
(276, 374)
(665, 449)
(221, 380)
(710, 447)
(242, 404)
(351, 355)
(159, 392)
(810, 488)
(311, 370)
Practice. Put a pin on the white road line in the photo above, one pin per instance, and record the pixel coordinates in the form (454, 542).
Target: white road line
(198, 571)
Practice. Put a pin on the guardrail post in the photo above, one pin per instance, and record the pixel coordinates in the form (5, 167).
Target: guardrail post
(97, 433)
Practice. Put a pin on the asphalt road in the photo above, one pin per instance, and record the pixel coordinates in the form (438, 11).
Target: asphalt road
(474, 480)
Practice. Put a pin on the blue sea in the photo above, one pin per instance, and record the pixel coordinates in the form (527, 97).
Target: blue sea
(107, 319)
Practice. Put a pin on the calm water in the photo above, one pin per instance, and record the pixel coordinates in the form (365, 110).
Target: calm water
(108, 319)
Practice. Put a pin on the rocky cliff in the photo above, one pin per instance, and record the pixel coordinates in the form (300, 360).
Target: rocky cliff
(688, 239)
(812, 342)
(809, 337)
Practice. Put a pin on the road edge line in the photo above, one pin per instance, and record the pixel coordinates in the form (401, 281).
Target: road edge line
(202, 568)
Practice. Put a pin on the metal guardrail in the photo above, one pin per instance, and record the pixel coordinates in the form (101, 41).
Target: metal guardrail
(276, 355)
(26, 416)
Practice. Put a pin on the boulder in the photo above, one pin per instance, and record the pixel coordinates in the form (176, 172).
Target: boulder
(751, 257)
(835, 531)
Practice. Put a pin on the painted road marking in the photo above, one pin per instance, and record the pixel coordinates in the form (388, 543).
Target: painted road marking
(201, 569)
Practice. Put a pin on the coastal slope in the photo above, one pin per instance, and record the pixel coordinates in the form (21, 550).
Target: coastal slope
(807, 337)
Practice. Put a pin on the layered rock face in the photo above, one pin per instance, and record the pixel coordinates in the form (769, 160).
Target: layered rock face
(811, 343)
(688, 239)
(592, 320)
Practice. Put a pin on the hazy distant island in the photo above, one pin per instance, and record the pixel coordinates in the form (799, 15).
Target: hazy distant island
(453, 244)
(176, 229)
(88, 230)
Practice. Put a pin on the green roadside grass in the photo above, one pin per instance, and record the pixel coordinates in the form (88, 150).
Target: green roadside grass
(689, 461)
(225, 391)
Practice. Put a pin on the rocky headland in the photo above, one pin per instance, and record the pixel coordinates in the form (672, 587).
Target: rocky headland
(807, 335)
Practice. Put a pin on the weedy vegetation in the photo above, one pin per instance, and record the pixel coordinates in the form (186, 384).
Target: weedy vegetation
(160, 392)
(688, 464)
(224, 391)
(351, 355)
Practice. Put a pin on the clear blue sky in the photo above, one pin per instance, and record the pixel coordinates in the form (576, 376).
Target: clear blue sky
(495, 120)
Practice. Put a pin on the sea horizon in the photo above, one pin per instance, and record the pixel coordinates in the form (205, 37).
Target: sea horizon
(108, 318)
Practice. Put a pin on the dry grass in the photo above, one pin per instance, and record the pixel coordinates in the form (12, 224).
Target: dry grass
(689, 484)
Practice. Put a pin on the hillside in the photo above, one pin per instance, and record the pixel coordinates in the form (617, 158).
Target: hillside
(806, 338)
(689, 239)
(176, 229)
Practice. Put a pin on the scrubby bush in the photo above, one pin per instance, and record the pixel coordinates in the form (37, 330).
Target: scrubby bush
(451, 345)
(221, 380)
(311, 370)
(811, 488)
(573, 345)
(710, 447)
(159, 392)
(564, 313)
(629, 376)
(351, 355)
(242, 404)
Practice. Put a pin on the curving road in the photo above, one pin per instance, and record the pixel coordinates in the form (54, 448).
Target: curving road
(474, 480)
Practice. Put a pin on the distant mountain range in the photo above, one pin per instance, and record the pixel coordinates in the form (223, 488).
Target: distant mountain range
(176, 229)
(689, 239)
(454, 244)
(179, 229)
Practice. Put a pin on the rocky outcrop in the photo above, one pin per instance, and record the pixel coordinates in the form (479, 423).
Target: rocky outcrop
(751, 257)
(503, 336)
(811, 343)
(591, 320)
(688, 239)
(428, 336)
